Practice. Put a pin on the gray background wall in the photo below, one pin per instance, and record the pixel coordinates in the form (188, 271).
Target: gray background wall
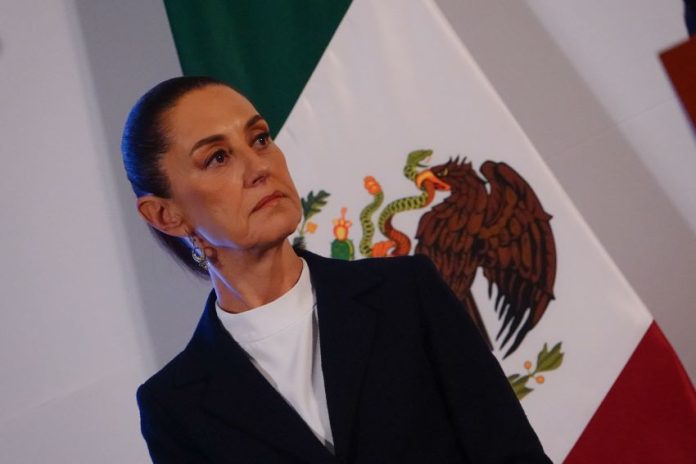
(91, 306)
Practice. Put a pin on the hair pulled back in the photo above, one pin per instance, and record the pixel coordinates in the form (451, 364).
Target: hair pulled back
(144, 142)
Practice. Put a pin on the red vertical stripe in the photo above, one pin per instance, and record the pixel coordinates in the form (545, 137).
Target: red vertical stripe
(648, 416)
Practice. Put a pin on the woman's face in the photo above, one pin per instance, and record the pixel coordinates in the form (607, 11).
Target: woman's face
(229, 181)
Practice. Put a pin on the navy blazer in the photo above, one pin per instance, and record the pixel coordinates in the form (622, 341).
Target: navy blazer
(408, 379)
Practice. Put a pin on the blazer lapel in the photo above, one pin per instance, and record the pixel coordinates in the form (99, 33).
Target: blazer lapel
(346, 332)
(239, 395)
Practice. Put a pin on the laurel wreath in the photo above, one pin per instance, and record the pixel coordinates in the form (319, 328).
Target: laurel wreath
(546, 361)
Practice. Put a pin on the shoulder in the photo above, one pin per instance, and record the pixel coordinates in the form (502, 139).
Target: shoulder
(165, 379)
(399, 267)
(409, 263)
(406, 272)
(191, 364)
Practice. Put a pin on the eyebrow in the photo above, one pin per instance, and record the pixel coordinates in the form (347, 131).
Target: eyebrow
(220, 137)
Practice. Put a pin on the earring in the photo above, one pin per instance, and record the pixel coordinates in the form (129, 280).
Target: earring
(198, 254)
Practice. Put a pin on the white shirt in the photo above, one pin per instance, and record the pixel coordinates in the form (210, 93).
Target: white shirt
(282, 340)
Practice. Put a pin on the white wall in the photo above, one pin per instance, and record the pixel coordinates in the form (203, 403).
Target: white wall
(91, 307)
(584, 81)
(79, 327)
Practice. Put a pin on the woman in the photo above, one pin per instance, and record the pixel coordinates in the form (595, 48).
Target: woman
(299, 358)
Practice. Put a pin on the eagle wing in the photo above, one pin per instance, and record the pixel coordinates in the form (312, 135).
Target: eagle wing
(519, 253)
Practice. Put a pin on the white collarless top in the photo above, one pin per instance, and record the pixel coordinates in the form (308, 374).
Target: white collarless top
(282, 340)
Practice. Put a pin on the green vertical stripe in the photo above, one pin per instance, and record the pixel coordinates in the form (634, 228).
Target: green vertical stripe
(265, 48)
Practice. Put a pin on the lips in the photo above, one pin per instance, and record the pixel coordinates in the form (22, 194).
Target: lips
(267, 199)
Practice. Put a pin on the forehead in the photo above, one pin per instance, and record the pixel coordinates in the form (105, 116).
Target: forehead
(202, 112)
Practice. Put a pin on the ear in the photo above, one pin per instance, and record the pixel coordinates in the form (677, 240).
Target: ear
(163, 215)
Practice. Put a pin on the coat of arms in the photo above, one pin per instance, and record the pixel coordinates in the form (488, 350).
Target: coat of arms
(491, 221)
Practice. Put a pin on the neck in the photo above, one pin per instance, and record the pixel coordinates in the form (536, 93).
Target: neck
(244, 280)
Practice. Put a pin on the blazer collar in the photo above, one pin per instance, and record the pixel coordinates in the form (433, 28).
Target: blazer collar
(346, 332)
(239, 395)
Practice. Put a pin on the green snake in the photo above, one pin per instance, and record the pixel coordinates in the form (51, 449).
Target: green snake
(398, 240)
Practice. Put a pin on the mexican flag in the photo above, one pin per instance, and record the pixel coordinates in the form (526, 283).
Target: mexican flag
(399, 145)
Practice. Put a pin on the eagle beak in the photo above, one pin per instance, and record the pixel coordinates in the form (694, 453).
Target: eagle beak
(428, 175)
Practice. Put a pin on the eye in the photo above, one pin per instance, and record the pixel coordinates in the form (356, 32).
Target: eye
(263, 139)
(218, 157)
(443, 173)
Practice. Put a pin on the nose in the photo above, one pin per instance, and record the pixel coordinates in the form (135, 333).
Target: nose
(256, 168)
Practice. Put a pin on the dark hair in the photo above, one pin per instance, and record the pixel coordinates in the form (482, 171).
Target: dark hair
(144, 142)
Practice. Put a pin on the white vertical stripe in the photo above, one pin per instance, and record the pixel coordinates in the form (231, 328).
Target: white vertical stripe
(396, 78)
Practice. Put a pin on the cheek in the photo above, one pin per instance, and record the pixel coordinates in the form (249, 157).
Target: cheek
(284, 174)
(293, 194)
(216, 212)
(297, 213)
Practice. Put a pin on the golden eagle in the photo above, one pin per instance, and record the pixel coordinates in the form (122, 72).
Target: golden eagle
(502, 229)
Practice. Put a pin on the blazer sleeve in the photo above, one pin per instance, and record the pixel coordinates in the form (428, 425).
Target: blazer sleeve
(165, 442)
(489, 421)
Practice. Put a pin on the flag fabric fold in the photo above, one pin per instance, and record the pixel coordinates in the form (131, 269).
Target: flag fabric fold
(649, 415)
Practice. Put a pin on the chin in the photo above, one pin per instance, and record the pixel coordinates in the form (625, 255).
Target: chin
(275, 233)
(288, 221)
(269, 243)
